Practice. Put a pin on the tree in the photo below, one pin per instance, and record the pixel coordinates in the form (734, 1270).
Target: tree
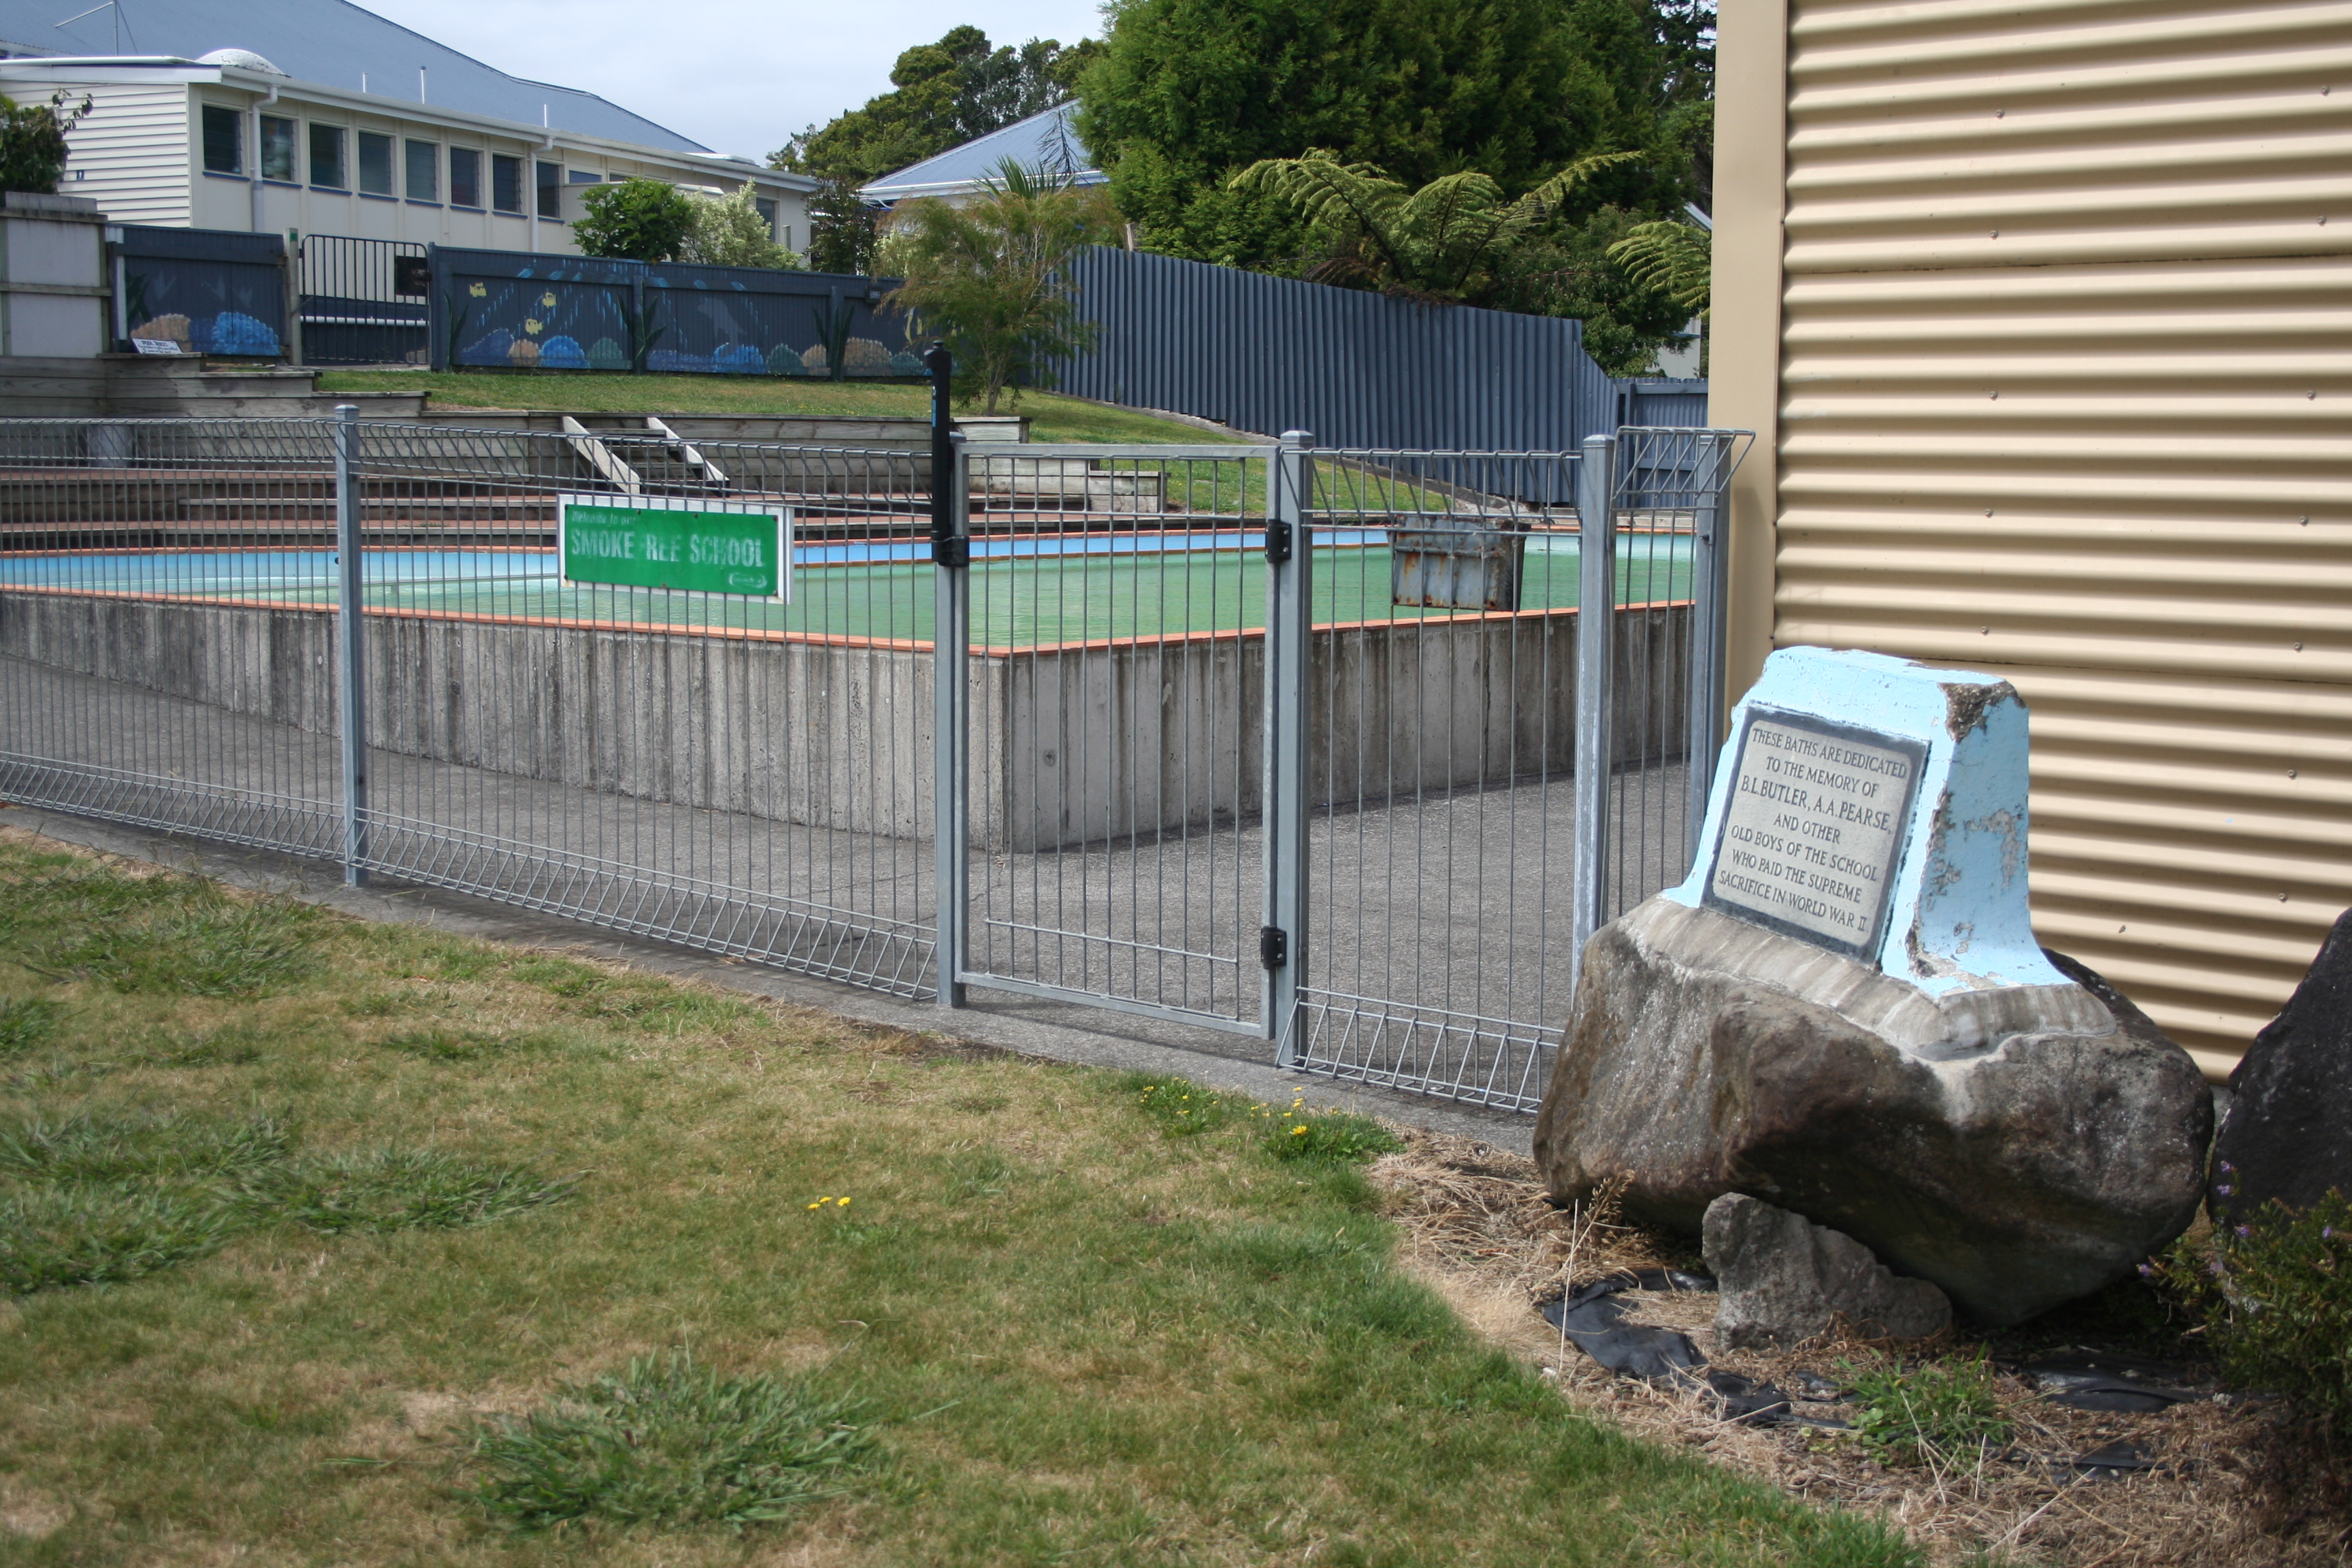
(990, 277)
(943, 94)
(33, 142)
(1442, 243)
(636, 220)
(729, 231)
(1188, 91)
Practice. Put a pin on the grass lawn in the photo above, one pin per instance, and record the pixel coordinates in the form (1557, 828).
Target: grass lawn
(324, 1242)
(1052, 417)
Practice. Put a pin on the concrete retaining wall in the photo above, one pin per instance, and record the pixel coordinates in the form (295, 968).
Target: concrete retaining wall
(1070, 744)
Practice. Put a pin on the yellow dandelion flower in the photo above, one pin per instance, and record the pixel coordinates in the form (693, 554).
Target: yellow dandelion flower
(1298, 1132)
(818, 1205)
(841, 1202)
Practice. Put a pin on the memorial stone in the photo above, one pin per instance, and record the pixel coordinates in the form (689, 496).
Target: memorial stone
(1843, 1011)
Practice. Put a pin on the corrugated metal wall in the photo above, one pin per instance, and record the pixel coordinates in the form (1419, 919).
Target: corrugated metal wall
(2067, 393)
(1270, 354)
(133, 151)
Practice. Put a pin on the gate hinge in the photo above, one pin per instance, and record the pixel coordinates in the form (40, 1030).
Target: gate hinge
(950, 550)
(1277, 541)
(1273, 947)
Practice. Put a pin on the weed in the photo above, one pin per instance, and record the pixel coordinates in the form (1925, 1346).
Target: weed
(1326, 1135)
(84, 1235)
(25, 1023)
(1180, 1107)
(1935, 1409)
(395, 1189)
(169, 1146)
(668, 1443)
(216, 948)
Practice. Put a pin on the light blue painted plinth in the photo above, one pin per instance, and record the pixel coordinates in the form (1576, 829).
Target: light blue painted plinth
(1956, 918)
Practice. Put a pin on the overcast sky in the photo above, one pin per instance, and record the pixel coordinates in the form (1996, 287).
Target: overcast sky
(737, 76)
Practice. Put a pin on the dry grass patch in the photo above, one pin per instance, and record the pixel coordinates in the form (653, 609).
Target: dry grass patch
(1480, 1232)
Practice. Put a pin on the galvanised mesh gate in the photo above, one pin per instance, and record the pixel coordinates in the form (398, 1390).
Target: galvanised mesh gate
(1281, 741)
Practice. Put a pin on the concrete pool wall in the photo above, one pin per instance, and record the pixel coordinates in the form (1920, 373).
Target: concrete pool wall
(1070, 744)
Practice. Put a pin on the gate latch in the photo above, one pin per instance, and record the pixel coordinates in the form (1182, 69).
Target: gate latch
(1277, 541)
(1273, 947)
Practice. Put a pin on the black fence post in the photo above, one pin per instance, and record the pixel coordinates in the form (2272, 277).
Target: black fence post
(948, 547)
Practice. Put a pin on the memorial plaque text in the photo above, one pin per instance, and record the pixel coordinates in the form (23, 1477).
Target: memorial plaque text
(1813, 828)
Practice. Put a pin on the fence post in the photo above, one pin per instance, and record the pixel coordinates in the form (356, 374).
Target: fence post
(351, 645)
(951, 685)
(295, 350)
(1707, 609)
(1282, 941)
(1596, 624)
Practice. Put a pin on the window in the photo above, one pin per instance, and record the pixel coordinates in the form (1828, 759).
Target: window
(424, 171)
(551, 190)
(767, 211)
(277, 149)
(506, 182)
(327, 157)
(464, 177)
(223, 141)
(375, 164)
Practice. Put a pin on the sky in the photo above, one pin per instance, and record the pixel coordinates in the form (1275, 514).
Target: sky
(737, 76)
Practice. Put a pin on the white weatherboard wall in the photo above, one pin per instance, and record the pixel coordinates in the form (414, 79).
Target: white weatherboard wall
(130, 151)
(2065, 390)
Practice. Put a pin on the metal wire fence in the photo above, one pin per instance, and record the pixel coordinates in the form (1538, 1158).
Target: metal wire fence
(1284, 743)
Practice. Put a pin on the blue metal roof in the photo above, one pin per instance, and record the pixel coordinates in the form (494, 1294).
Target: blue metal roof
(330, 42)
(1046, 140)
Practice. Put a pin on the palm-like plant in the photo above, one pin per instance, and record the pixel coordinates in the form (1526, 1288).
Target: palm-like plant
(989, 274)
(1441, 243)
(1673, 258)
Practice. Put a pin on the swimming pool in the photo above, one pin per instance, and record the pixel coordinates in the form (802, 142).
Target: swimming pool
(1025, 589)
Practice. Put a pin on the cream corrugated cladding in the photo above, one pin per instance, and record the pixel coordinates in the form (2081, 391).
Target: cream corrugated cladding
(2065, 392)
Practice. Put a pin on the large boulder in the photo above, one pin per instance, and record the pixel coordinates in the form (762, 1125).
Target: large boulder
(2288, 1135)
(2018, 1145)
(1782, 1279)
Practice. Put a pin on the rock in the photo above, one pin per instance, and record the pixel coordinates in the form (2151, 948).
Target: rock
(1784, 1279)
(2288, 1136)
(2019, 1145)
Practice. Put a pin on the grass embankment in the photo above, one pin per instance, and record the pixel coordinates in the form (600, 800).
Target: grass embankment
(419, 1245)
(1052, 417)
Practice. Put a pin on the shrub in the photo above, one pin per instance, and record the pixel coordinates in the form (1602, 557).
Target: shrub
(2272, 1293)
(728, 231)
(636, 220)
(33, 142)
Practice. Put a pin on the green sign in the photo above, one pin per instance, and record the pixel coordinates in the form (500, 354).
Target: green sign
(652, 543)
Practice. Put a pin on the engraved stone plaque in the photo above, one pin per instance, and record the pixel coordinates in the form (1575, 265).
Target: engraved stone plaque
(1813, 828)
